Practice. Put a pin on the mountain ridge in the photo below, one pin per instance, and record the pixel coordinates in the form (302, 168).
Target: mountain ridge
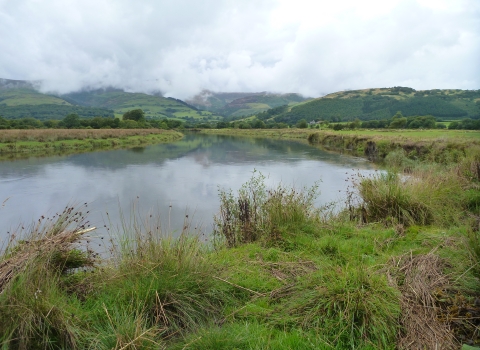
(19, 98)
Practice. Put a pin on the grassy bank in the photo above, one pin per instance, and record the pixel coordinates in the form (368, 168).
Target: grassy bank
(405, 146)
(397, 268)
(18, 143)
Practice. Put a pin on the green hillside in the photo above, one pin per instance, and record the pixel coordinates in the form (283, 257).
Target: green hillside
(20, 99)
(25, 96)
(383, 103)
(154, 106)
(236, 104)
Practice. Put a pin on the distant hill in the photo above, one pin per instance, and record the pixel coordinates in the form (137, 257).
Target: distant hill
(380, 103)
(238, 104)
(154, 106)
(20, 99)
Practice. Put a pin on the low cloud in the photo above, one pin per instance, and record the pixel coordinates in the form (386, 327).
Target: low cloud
(182, 47)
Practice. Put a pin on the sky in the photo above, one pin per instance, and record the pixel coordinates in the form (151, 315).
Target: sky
(179, 48)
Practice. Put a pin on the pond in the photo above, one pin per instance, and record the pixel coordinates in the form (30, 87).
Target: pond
(171, 180)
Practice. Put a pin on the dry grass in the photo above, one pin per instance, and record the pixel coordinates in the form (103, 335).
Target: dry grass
(417, 277)
(51, 135)
(48, 243)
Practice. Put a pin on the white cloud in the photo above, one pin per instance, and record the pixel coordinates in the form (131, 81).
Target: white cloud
(181, 47)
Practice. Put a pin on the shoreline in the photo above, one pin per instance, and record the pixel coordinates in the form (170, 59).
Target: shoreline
(15, 144)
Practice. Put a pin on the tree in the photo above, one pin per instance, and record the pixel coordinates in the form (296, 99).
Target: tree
(258, 124)
(136, 115)
(453, 125)
(71, 121)
(302, 124)
(398, 121)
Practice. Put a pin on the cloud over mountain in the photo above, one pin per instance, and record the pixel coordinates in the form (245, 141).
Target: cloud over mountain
(182, 47)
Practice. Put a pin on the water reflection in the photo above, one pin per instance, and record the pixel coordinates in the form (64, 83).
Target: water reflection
(185, 174)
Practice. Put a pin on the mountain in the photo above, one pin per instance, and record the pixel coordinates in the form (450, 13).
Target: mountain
(21, 92)
(238, 104)
(381, 103)
(154, 106)
(20, 99)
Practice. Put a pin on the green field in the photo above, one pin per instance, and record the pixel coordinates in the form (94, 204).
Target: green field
(460, 136)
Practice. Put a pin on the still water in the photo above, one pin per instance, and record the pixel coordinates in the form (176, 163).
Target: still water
(171, 180)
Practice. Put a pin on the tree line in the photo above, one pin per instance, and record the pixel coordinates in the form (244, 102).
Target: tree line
(133, 119)
(398, 121)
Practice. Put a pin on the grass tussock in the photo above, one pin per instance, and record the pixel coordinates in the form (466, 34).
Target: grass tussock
(35, 307)
(169, 274)
(424, 197)
(351, 307)
(257, 213)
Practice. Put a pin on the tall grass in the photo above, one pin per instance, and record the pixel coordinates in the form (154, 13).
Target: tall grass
(257, 213)
(56, 295)
(351, 308)
(37, 306)
(422, 198)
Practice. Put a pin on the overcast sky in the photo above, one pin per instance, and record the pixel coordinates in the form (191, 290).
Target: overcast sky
(180, 47)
